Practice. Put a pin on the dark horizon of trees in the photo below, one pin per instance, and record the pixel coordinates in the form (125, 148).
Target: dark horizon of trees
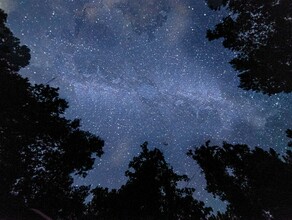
(260, 33)
(257, 184)
(151, 192)
(39, 146)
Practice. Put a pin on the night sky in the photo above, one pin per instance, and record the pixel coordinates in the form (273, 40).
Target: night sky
(137, 70)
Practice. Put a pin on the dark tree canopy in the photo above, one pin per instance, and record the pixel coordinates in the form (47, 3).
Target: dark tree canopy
(260, 33)
(151, 192)
(13, 55)
(256, 183)
(39, 148)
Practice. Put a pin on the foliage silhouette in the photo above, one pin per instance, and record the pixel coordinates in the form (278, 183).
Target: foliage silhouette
(151, 192)
(39, 148)
(256, 183)
(260, 34)
(13, 55)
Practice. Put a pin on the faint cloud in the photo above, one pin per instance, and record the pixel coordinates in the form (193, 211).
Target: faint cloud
(145, 16)
(8, 5)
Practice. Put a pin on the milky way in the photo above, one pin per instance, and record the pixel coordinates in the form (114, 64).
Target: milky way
(145, 72)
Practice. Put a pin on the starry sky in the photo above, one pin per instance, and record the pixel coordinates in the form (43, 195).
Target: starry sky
(136, 70)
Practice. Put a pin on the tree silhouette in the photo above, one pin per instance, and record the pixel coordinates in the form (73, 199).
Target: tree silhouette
(151, 192)
(13, 55)
(256, 183)
(39, 148)
(260, 33)
(105, 205)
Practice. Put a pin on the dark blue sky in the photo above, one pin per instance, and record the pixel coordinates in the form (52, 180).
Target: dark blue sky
(137, 72)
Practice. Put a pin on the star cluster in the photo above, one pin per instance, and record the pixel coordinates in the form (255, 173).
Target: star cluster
(135, 72)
